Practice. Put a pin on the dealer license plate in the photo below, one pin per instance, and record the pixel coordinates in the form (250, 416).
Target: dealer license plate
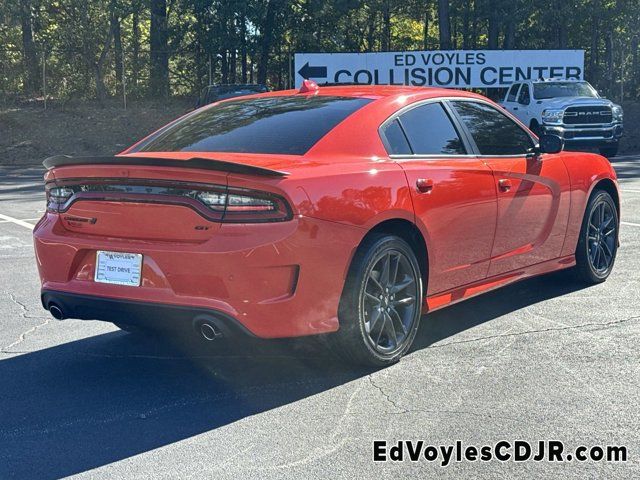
(119, 268)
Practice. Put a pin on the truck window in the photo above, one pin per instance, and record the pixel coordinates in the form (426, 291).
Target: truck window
(513, 92)
(524, 98)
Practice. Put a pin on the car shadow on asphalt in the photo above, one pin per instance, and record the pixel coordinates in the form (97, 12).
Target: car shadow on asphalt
(88, 403)
(457, 318)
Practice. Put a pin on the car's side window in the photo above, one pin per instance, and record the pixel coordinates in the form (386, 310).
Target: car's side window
(430, 131)
(396, 141)
(524, 98)
(513, 92)
(493, 132)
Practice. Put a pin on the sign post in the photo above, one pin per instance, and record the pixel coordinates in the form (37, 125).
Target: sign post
(451, 68)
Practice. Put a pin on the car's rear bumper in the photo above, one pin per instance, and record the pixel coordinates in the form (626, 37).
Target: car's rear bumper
(274, 280)
(143, 314)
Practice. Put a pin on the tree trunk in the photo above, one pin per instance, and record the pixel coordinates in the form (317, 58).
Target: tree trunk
(135, 40)
(509, 36)
(494, 28)
(233, 51)
(562, 33)
(622, 58)
(201, 60)
(609, 56)
(266, 40)
(594, 71)
(454, 31)
(444, 24)
(101, 90)
(280, 75)
(224, 67)
(425, 29)
(158, 39)
(233, 65)
(635, 68)
(30, 58)
(114, 21)
(386, 26)
(509, 31)
(466, 14)
(371, 31)
(243, 46)
(474, 25)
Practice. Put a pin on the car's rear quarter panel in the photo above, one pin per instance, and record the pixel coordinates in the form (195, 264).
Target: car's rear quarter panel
(586, 170)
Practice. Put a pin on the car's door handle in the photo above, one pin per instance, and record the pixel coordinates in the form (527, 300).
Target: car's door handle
(515, 108)
(504, 184)
(424, 185)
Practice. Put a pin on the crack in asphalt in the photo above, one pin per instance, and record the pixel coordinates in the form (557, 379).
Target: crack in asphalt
(24, 314)
(403, 410)
(602, 326)
(386, 395)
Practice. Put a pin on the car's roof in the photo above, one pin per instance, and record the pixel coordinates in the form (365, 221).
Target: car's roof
(375, 91)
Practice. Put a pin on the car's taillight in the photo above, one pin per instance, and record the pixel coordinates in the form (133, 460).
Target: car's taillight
(244, 205)
(227, 204)
(214, 200)
(57, 197)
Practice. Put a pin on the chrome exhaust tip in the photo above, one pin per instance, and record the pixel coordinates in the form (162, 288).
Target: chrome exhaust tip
(209, 331)
(207, 327)
(56, 312)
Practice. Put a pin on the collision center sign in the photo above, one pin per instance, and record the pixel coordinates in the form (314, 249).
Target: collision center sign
(444, 68)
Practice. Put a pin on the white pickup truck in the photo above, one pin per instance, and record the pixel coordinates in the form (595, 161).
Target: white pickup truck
(572, 110)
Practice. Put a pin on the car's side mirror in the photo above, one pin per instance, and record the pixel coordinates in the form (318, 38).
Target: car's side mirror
(550, 144)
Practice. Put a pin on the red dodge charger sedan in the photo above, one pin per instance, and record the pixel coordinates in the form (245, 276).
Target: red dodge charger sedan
(344, 210)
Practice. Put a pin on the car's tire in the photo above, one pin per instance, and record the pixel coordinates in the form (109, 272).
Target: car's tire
(381, 303)
(609, 151)
(598, 242)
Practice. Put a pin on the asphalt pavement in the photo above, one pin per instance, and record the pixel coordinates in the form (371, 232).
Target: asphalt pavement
(544, 359)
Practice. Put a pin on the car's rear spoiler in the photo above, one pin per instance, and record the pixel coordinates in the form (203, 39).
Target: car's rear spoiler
(196, 162)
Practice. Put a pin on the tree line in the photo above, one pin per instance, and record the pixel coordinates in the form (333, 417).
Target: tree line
(159, 48)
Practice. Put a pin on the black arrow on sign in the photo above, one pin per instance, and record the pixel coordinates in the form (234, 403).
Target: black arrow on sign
(316, 72)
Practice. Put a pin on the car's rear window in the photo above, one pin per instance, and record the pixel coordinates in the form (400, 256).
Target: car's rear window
(279, 125)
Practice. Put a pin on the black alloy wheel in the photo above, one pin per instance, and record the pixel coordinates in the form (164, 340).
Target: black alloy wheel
(601, 237)
(598, 243)
(389, 301)
(381, 303)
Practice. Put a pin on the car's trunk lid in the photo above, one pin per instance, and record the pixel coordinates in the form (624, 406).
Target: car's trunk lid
(150, 198)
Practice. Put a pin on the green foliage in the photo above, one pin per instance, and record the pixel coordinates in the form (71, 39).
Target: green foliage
(225, 40)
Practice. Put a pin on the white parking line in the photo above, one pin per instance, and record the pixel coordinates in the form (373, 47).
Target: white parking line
(630, 224)
(625, 190)
(23, 219)
(17, 221)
